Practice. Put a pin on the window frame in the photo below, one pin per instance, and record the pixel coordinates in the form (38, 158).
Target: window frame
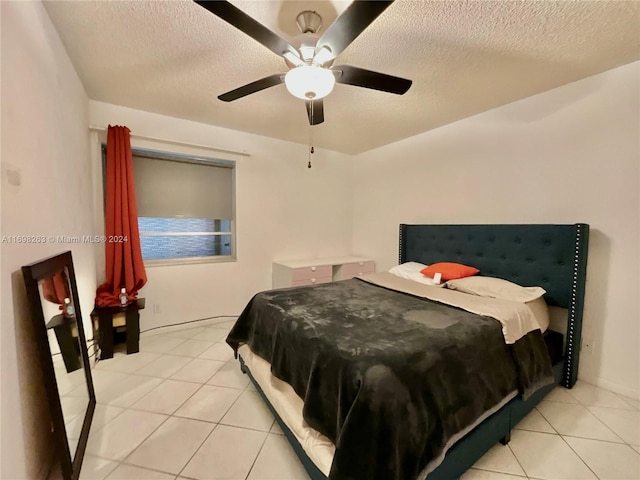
(192, 159)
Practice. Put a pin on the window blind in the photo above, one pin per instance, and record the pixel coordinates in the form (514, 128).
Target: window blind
(169, 189)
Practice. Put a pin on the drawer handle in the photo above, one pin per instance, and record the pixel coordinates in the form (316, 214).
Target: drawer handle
(313, 269)
(313, 280)
(361, 263)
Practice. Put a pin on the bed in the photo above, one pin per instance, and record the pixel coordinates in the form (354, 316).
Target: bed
(362, 393)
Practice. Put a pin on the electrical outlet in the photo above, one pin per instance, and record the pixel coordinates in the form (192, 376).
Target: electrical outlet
(156, 308)
(588, 346)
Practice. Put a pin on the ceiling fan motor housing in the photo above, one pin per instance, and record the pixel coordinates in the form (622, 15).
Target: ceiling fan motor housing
(309, 21)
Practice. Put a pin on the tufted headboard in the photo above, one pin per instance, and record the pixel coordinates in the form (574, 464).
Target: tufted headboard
(553, 257)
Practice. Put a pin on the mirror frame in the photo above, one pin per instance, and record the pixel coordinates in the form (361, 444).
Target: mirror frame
(33, 273)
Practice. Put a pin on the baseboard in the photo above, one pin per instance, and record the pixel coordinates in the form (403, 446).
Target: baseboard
(612, 386)
(204, 322)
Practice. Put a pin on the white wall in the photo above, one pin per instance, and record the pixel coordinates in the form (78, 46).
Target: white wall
(44, 139)
(284, 211)
(568, 155)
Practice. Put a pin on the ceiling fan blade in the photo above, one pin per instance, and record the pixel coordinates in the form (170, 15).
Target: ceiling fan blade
(243, 22)
(353, 21)
(315, 111)
(252, 87)
(360, 77)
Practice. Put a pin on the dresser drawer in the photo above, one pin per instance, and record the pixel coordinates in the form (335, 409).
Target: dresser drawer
(313, 271)
(356, 269)
(311, 281)
(307, 273)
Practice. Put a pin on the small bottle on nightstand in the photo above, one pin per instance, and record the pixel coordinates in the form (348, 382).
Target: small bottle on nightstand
(123, 297)
(68, 310)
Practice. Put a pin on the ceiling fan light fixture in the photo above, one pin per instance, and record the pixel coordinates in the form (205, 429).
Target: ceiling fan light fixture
(309, 82)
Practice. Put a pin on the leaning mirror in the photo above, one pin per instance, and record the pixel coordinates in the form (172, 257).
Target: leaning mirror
(62, 347)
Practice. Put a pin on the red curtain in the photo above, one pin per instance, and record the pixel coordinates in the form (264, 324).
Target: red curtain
(56, 288)
(124, 266)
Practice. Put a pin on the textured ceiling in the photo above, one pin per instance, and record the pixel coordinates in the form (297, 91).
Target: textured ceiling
(464, 57)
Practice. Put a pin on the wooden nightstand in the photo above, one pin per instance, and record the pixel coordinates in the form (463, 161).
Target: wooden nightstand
(106, 321)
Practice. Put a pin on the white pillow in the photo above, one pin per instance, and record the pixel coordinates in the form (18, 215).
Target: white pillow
(411, 271)
(500, 288)
(496, 288)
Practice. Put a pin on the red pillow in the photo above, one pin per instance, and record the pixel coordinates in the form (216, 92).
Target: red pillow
(449, 270)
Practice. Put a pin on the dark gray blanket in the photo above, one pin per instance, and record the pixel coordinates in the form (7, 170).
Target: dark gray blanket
(388, 377)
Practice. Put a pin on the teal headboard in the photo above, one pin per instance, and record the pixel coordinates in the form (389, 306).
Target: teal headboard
(553, 257)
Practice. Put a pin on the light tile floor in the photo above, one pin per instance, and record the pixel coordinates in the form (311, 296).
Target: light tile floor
(181, 409)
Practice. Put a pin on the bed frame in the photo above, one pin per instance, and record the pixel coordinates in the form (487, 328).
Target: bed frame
(551, 256)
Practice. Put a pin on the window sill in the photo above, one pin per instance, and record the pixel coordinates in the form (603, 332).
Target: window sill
(189, 261)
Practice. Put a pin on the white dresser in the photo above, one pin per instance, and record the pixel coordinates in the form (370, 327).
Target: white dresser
(296, 273)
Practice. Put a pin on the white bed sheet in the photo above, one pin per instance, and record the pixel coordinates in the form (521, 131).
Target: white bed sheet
(516, 318)
(289, 405)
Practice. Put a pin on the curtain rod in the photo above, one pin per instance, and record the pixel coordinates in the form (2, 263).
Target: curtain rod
(176, 142)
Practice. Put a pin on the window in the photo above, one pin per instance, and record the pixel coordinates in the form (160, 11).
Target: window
(185, 207)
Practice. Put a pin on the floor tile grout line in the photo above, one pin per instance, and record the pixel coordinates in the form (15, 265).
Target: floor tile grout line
(110, 471)
(180, 368)
(171, 348)
(102, 458)
(493, 470)
(633, 407)
(190, 356)
(558, 434)
(226, 386)
(202, 384)
(236, 400)
(548, 422)
(630, 409)
(231, 406)
(590, 413)
(177, 408)
(147, 437)
(242, 391)
(105, 477)
(628, 402)
(596, 439)
(223, 424)
(577, 402)
(207, 380)
(196, 451)
(257, 455)
(144, 467)
(606, 426)
(110, 420)
(578, 455)
(517, 459)
(247, 428)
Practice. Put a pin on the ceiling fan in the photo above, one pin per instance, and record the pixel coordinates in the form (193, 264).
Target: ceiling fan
(311, 74)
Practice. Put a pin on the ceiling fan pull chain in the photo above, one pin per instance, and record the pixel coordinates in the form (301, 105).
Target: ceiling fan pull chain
(311, 149)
